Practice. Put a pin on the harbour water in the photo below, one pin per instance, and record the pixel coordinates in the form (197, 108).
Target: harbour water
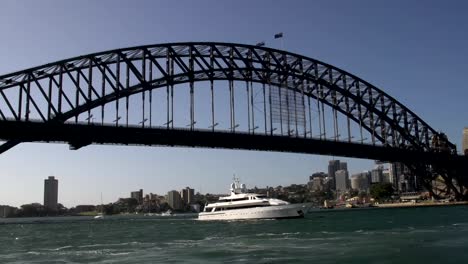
(405, 235)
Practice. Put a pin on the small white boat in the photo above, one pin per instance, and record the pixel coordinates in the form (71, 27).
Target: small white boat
(242, 205)
(167, 213)
(99, 216)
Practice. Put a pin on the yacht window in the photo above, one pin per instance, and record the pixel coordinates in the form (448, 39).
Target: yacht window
(261, 197)
(239, 199)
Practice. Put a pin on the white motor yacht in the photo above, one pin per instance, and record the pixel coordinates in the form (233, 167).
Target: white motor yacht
(243, 205)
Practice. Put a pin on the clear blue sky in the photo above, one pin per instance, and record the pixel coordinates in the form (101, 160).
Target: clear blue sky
(414, 50)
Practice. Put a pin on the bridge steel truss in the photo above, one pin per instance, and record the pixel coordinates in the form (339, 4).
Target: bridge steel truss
(61, 92)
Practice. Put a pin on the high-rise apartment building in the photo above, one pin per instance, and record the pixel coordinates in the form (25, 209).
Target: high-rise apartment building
(138, 195)
(333, 167)
(377, 175)
(51, 193)
(174, 200)
(187, 195)
(341, 179)
(343, 166)
(360, 181)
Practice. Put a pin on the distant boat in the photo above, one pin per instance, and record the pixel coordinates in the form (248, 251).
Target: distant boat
(243, 205)
(100, 215)
(167, 213)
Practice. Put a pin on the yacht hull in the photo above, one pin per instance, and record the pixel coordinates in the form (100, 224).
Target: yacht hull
(268, 212)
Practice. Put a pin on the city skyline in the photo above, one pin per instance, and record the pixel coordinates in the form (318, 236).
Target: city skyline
(342, 181)
(365, 44)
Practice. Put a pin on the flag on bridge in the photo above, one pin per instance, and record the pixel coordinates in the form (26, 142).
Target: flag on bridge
(279, 35)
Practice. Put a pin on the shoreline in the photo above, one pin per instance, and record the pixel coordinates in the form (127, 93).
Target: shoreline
(393, 205)
(423, 204)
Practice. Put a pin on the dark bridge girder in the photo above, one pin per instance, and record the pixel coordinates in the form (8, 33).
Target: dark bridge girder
(78, 135)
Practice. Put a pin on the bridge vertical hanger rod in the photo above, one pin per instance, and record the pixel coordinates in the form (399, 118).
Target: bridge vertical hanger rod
(264, 107)
(248, 105)
(304, 122)
(250, 66)
(334, 111)
(28, 97)
(171, 65)
(295, 112)
(317, 89)
(310, 111)
(252, 107)
(371, 102)
(212, 89)
(127, 86)
(394, 142)
(231, 87)
(280, 105)
(150, 78)
(192, 99)
(103, 92)
(383, 129)
(50, 98)
(77, 98)
(90, 84)
(60, 92)
(302, 87)
(323, 114)
(335, 118)
(358, 92)
(143, 75)
(168, 70)
(117, 84)
(20, 101)
(268, 76)
(319, 111)
(284, 85)
(345, 86)
(405, 122)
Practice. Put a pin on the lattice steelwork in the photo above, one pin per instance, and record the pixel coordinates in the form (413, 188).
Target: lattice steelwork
(295, 91)
(124, 72)
(288, 107)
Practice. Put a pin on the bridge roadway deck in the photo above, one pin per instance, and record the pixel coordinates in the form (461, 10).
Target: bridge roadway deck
(79, 135)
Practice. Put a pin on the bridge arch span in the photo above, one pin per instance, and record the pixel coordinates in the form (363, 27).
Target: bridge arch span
(63, 90)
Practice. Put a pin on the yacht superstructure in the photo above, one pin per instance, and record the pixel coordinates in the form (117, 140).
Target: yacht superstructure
(243, 205)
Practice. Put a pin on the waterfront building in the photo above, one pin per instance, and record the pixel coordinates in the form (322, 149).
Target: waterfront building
(317, 181)
(386, 176)
(333, 166)
(376, 175)
(341, 179)
(187, 195)
(174, 200)
(360, 181)
(465, 141)
(316, 184)
(343, 166)
(396, 169)
(137, 195)
(51, 194)
(317, 174)
(7, 211)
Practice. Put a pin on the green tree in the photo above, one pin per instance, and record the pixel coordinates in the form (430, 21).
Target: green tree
(381, 191)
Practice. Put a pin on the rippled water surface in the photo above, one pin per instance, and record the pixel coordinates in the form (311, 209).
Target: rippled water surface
(411, 235)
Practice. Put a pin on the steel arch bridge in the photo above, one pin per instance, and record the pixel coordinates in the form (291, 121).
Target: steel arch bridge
(250, 97)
